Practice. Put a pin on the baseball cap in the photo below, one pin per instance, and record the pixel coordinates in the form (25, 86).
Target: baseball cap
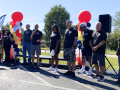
(82, 25)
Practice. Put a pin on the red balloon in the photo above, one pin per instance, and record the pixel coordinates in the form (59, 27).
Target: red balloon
(17, 16)
(18, 34)
(17, 31)
(12, 22)
(10, 53)
(19, 39)
(84, 16)
(78, 25)
(79, 61)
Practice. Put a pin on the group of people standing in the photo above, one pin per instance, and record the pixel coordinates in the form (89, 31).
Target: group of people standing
(94, 45)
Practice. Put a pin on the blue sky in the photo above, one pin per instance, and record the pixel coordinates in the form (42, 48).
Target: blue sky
(35, 10)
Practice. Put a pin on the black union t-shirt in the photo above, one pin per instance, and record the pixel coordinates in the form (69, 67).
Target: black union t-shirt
(69, 37)
(86, 38)
(97, 37)
(37, 36)
(53, 39)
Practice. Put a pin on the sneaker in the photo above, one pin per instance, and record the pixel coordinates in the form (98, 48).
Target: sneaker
(50, 69)
(96, 76)
(89, 73)
(37, 67)
(56, 69)
(101, 79)
(32, 66)
(117, 82)
(81, 71)
(73, 74)
(68, 73)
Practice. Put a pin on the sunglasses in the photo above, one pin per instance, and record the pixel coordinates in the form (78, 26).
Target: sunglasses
(27, 26)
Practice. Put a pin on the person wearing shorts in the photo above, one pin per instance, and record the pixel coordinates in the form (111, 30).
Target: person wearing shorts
(55, 44)
(36, 38)
(70, 41)
(86, 49)
(98, 45)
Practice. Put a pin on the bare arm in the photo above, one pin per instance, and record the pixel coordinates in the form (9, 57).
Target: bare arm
(101, 43)
(90, 43)
(32, 35)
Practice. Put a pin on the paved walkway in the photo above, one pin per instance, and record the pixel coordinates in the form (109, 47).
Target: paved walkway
(23, 78)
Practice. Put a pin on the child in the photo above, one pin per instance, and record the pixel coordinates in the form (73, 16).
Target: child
(1, 51)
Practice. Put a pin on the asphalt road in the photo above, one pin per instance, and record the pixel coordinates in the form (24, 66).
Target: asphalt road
(17, 77)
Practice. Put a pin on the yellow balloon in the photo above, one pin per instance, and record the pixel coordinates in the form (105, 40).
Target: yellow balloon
(16, 38)
(18, 46)
(14, 34)
(17, 42)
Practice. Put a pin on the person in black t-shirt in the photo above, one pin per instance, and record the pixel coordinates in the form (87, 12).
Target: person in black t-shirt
(98, 44)
(70, 40)
(36, 38)
(118, 54)
(86, 49)
(7, 42)
(27, 45)
(55, 44)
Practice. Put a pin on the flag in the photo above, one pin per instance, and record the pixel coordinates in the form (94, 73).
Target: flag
(2, 21)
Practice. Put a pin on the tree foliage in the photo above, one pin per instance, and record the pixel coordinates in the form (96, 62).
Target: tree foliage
(57, 15)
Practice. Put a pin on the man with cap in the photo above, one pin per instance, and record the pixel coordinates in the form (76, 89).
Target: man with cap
(86, 49)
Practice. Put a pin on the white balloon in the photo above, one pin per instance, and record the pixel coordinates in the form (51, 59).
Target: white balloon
(84, 23)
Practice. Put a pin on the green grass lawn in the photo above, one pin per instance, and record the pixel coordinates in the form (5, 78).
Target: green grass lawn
(110, 52)
(114, 61)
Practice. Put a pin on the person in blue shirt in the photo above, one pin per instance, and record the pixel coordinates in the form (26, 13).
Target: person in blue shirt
(27, 45)
(55, 44)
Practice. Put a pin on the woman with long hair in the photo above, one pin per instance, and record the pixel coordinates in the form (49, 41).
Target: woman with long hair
(55, 45)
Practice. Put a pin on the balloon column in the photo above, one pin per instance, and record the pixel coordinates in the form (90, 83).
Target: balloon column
(83, 17)
(15, 28)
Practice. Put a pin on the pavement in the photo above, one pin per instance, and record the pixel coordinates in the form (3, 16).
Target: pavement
(108, 55)
(18, 77)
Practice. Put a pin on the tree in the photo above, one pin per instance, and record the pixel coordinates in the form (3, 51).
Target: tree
(112, 38)
(6, 26)
(75, 26)
(57, 15)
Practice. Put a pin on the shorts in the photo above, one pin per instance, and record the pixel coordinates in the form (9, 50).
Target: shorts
(98, 59)
(53, 48)
(87, 53)
(36, 48)
(69, 54)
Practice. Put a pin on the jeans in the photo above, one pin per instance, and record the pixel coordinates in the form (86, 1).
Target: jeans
(119, 67)
(27, 46)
